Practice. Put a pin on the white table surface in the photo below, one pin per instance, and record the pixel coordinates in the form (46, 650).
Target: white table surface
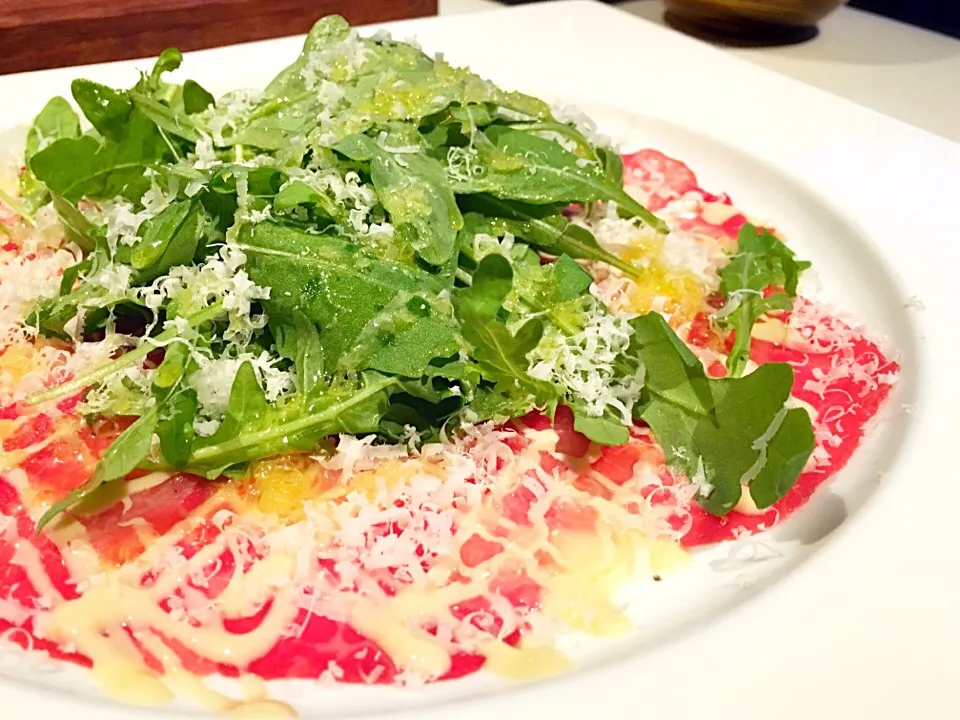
(896, 69)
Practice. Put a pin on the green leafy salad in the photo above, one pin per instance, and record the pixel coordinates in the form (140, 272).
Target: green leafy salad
(375, 243)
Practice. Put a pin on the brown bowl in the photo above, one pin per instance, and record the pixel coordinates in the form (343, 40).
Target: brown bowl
(749, 20)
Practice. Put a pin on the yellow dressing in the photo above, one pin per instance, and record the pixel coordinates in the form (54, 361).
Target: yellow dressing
(593, 565)
(18, 360)
(677, 293)
(666, 556)
(9, 427)
(281, 484)
(524, 663)
(254, 704)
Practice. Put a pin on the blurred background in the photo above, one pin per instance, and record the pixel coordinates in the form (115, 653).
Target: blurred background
(939, 15)
(38, 34)
(942, 16)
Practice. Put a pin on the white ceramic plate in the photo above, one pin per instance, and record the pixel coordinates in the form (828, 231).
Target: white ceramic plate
(852, 608)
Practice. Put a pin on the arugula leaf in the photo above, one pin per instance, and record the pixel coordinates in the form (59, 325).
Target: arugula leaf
(726, 431)
(346, 292)
(399, 83)
(56, 121)
(500, 354)
(419, 203)
(175, 427)
(603, 430)
(76, 227)
(496, 403)
(612, 164)
(553, 291)
(572, 281)
(173, 120)
(108, 110)
(492, 282)
(18, 208)
(309, 359)
(296, 193)
(289, 105)
(128, 359)
(523, 166)
(413, 189)
(50, 315)
(263, 181)
(73, 273)
(169, 239)
(247, 406)
(410, 332)
(299, 193)
(121, 458)
(195, 98)
(761, 263)
(546, 229)
(274, 123)
(168, 61)
(253, 429)
(299, 341)
(569, 133)
(176, 358)
(359, 147)
(85, 166)
(290, 81)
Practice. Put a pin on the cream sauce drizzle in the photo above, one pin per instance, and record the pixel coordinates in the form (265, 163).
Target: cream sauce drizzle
(10, 459)
(576, 571)
(588, 568)
(28, 557)
(255, 704)
(718, 213)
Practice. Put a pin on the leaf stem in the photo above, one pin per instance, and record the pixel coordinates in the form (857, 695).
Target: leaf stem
(627, 202)
(126, 360)
(9, 201)
(209, 453)
(563, 130)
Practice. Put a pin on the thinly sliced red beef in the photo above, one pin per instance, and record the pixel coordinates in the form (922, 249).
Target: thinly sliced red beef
(113, 531)
(662, 180)
(658, 177)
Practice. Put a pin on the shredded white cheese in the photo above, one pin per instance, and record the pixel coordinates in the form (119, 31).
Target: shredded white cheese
(583, 364)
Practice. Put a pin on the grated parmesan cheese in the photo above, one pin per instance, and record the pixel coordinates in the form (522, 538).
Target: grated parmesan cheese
(214, 379)
(222, 118)
(339, 62)
(574, 116)
(583, 364)
(122, 393)
(27, 276)
(220, 278)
